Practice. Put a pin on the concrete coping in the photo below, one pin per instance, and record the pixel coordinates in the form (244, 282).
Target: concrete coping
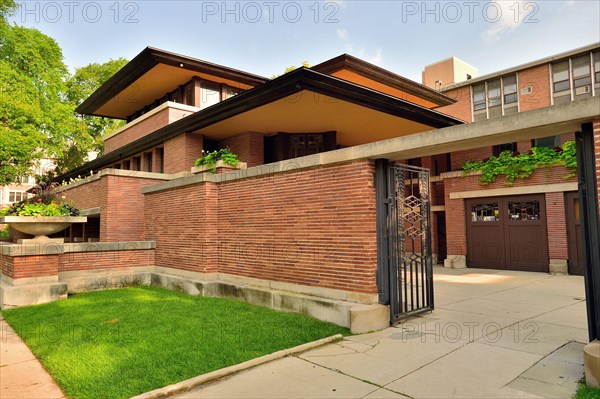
(90, 212)
(541, 122)
(123, 173)
(37, 249)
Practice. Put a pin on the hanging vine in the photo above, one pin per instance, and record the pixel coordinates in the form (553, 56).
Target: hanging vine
(514, 165)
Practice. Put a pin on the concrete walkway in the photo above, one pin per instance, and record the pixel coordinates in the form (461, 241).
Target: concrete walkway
(492, 335)
(21, 374)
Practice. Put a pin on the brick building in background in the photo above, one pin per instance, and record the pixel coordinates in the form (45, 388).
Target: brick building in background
(484, 225)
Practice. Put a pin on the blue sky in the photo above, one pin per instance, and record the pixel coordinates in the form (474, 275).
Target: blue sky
(264, 37)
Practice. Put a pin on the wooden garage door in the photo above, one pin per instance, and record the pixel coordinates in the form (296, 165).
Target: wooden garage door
(507, 233)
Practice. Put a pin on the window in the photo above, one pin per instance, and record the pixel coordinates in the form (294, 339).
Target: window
(551, 142)
(148, 159)
(529, 210)
(16, 196)
(485, 212)
(210, 94)
(582, 78)
(229, 92)
(560, 76)
(478, 98)
(499, 149)
(127, 165)
(510, 90)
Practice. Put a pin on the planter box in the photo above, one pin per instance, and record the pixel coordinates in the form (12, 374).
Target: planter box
(41, 226)
(221, 166)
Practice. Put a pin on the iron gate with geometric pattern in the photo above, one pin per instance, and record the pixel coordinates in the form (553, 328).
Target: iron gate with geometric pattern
(405, 272)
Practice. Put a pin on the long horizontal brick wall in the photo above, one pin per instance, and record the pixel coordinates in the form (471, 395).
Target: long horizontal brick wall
(456, 233)
(104, 260)
(313, 227)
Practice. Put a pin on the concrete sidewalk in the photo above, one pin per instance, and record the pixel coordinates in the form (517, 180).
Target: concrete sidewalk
(493, 334)
(21, 374)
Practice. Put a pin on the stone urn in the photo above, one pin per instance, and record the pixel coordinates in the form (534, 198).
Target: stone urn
(41, 226)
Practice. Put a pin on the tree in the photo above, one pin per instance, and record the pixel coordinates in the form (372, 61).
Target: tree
(83, 83)
(292, 68)
(34, 119)
(37, 102)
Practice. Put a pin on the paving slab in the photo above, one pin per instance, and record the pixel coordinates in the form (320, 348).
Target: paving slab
(537, 337)
(21, 374)
(573, 316)
(289, 377)
(473, 371)
(386, 360)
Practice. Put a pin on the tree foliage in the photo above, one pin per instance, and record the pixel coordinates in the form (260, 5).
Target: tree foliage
(292, 68)
(37, 101)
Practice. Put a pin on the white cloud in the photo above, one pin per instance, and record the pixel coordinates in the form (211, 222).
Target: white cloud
(342, 33)
(361, 53)
(503, 17)
(377, 58)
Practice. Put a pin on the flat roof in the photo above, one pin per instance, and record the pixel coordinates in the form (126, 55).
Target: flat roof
(150, 75)
(304, 98)
(545, 60)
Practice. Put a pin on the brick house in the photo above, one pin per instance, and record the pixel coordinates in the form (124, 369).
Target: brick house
(538, 244)
(297, 229)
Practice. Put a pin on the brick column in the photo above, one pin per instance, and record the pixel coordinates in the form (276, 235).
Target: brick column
(557, 232)
(456, 229)
(30, 274)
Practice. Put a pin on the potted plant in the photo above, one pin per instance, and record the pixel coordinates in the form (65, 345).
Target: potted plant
(42, 214)
(221, 159)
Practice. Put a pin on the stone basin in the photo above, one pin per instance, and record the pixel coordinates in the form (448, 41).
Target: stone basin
(41, 226)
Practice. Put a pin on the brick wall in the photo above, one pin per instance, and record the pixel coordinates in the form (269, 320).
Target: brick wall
(180, 152)
(476, 154)
(456, 233)
(249, 147)
(538, 77)
(104, 260)
(462, 108)
(29, 266)
(186, 235)
(557, 226)
(313, 227)
(121, 204)
(139, 130)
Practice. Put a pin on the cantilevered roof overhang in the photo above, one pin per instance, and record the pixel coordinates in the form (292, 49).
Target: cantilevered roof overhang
(298, 102)
(152, 74)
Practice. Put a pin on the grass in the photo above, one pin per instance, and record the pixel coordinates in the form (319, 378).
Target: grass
(119, 343)
(586, 392)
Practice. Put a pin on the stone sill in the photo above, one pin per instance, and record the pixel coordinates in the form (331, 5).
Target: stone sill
(9, 249)
(219, 165)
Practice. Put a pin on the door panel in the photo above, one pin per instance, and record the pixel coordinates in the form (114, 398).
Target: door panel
(485, 235)
(574, 234)
(507, 233)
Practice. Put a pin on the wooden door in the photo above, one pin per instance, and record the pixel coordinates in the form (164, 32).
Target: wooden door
(574, 233)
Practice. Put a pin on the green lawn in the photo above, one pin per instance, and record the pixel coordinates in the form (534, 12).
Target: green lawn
(585, 392)
(119, 343)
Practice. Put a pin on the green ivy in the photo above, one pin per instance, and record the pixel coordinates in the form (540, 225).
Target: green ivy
(210, 159)
(520, 166)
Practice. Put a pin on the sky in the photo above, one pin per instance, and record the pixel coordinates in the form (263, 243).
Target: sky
(265, 37)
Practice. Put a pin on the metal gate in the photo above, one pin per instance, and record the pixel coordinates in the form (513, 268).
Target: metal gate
(405, 272)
